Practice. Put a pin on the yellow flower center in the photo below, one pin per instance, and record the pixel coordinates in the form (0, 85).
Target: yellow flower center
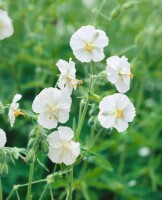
(53, 112)
(76, 83)
(122, 74)
(89, 47)
(119, 113)
(18, 112)
(131, 75)
(66, 147)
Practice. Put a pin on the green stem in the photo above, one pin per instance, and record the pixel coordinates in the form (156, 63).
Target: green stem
(1, 194)
(70, 183)
(82, 119)
(17, 194)
(51, 193)
(30, 181)
(12, 191)
(41, 197)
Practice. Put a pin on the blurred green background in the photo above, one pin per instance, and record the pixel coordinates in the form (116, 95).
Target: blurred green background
(124, 166)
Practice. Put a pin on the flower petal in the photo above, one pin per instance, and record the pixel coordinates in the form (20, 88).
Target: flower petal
(120, 124)
(16, 98)
(106, 121)
(3, 138)
(97, 55)
(54, 139)
(66, 134)
(47, 122)
(55, 155)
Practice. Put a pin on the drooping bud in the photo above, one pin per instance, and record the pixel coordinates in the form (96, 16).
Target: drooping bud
(15, 153)
(45, 147)
(3, 169)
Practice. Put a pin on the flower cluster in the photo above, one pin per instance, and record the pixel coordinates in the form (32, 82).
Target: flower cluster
(52, 105)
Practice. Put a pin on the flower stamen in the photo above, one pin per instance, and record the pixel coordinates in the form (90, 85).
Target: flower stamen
(118, 113)
(89, 47)
(18, 112)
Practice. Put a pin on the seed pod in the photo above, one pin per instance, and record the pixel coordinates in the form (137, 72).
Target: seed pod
(4, 169)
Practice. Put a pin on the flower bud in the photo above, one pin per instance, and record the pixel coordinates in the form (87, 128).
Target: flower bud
(45, 147)
(91, 121)
(97, 124)
(31, 142)
(115, 13)
(15, 153)
(31, 157)
(32, 133)
(4, 169)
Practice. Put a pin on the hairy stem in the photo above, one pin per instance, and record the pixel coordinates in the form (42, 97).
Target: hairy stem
(30, 181)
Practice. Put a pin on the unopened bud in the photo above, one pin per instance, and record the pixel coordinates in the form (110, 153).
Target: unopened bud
(45, 147)
(15, 153)
(31, 142)
(4, 169)
(30, 158)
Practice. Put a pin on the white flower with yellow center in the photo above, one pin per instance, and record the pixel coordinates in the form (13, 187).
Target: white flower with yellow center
(118, 73)
(53, 106)
(67, 79)
(3, 139)
(14, 110)
(88, 44)
(6, 27)
(62, 149)
(116, 111)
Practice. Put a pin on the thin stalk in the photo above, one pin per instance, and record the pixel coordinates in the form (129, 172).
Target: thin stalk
(17, 194)
(70, 183)
(1, 193)
(80, 125)
(30, 181)
(45, 188)
(82, 119)
(9, 196)
(51, 193)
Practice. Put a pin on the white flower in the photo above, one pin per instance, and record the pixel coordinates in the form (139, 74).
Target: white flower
(3, 139)
(116, 111)
(118, 72)
(62, 149)
(53, 106)
(144, 151)
(6, 27)
(67, 79)
(88, 44)
(14, 110)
